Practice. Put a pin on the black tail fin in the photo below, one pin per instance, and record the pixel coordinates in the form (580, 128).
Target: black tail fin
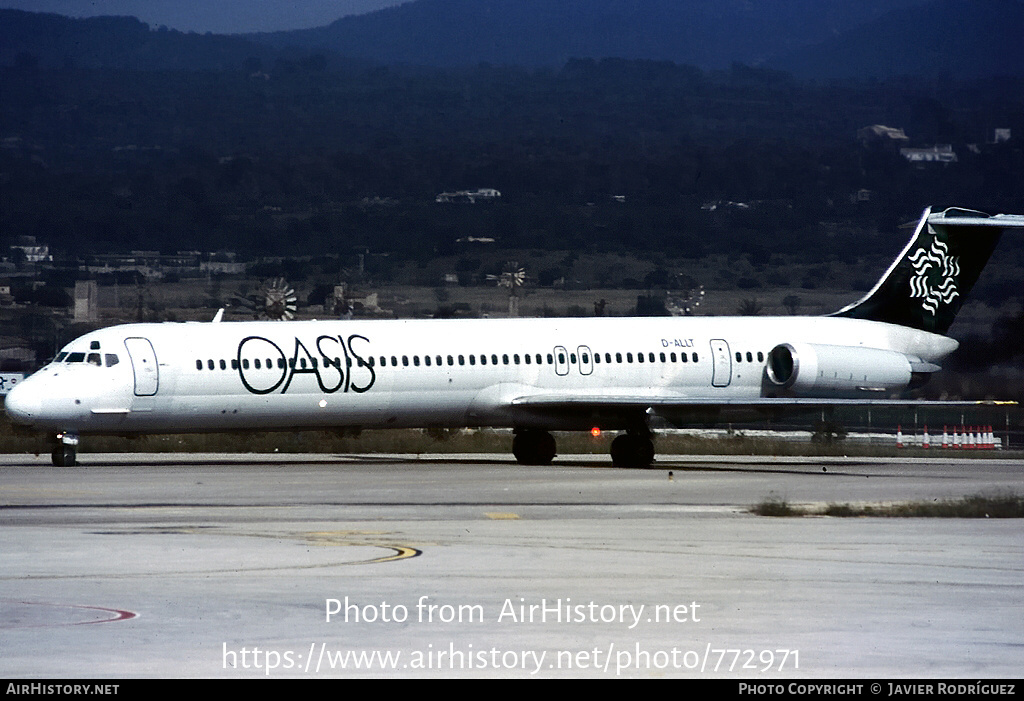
(927, 284)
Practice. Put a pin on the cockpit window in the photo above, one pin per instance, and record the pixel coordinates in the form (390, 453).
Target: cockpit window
(76, 358)
(111, 359)
(60, 357)
(94, 359)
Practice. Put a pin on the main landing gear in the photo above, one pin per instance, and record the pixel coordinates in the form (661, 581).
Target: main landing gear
(65, 450)
(633, 449)
(533, 447)
(536, 447)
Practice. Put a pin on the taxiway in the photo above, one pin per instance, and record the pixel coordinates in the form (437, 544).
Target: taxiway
(231, 566)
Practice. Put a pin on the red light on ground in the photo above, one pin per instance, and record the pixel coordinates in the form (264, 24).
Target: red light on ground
(595, 432)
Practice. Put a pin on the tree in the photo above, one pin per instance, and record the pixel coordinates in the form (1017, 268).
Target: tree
(792, 303)
(749, 307)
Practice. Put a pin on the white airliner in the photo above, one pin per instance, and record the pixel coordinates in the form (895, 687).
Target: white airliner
(531, 375)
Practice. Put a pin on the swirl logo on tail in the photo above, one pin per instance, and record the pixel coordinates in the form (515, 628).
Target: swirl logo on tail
(935, 273)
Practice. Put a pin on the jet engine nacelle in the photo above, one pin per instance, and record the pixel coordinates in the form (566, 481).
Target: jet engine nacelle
(810, 368)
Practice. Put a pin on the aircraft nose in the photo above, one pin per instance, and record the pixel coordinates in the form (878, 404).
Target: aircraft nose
(22, 404)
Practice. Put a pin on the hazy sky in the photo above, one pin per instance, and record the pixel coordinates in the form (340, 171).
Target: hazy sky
(219, 16)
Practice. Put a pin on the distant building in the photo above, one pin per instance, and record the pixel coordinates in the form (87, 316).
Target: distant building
(34, 252)
(86, 300)
(879, 133)
(940, 153)
(1001, 135)
(484, 194)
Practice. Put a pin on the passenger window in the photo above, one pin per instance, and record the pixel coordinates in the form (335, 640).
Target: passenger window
(462, 360)
(405, 361)
(639, 357)
(695, 357)
(551, 360)
(416, 360)
(650, 357)
(472, 359)
(572, 358)
(483, 359)
(515, 358)
(750, 357)
(739, 357)
(245, 364)
(672, 357)
(504, 358)
(451, 360)
(234, 364)
(526, 357)
(210, 366)
(426, 360)
(224, 365)
(760, 357)
(618, 357)
(682, 356)
(199, 365)
(539, 360)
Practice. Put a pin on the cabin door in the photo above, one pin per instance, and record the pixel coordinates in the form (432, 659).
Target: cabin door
(721, 374)
(147, 374)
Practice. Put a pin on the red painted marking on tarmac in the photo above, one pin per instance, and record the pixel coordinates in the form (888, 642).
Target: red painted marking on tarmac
(118, 615)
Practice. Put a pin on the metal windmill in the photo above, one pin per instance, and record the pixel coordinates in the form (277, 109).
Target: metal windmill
(513, 277)
(275, 300)
(279, 300)
(686, 304)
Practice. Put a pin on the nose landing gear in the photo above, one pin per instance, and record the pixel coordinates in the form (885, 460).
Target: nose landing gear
(65, 449)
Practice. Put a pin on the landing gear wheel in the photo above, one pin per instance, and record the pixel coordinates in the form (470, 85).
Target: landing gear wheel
(64, 456)
(533, 447)
(65, 449)
(630, 450)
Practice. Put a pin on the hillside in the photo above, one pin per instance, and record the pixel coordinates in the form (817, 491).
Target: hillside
(32, 39)
(703, 33)
(956, 38)
(821, 39)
